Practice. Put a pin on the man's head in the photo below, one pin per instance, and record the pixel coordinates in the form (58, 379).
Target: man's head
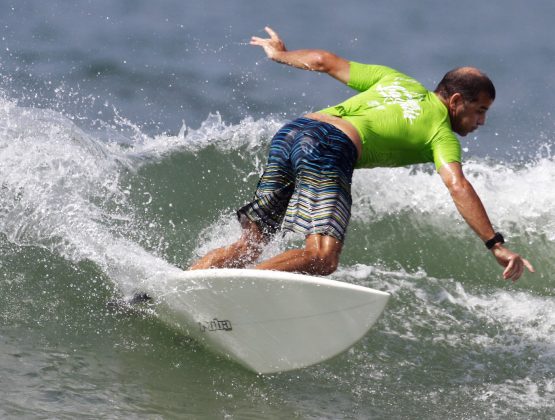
(467, 93)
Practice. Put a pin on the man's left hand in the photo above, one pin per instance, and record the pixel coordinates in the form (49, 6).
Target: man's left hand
(514, 264)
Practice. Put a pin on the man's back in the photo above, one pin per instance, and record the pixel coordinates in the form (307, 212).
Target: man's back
(399, 121)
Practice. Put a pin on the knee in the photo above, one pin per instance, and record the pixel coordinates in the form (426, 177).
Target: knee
(252, 240)
(324, 263)
(249, 250)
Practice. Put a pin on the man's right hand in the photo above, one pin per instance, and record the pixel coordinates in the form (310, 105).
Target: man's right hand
(272, 46)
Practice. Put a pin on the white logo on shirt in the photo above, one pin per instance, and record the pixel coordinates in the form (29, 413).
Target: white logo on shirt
(409, 101)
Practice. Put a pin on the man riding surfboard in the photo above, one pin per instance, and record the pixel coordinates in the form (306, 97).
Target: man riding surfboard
(392, 121)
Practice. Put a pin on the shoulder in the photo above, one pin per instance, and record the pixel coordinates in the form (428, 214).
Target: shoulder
(362, 76)
(374, 71)
(373, 68)
(446, 147)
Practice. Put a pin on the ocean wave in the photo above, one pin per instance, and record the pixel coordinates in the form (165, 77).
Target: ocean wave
(91, 197)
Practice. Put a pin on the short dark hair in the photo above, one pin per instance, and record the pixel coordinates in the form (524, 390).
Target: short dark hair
(468, 81)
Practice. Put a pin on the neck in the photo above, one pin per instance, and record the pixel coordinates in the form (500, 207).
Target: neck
(442, 99)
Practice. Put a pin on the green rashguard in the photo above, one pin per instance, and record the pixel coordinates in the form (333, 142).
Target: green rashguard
(399, 121)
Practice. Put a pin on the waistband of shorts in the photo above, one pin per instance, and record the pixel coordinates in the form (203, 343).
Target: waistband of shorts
(332, 129)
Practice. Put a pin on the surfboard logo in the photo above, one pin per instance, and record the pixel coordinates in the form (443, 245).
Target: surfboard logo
(215, 325)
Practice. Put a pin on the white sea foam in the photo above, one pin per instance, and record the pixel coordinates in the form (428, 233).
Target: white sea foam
(507, 335)
(61, 189)
(56, 181)
(530, 317)
(248, 134)
(518, 200)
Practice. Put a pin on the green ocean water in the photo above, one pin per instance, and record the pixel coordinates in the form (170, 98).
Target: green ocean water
(84, 222)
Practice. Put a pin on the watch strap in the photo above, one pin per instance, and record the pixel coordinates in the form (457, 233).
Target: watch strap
(497, 239)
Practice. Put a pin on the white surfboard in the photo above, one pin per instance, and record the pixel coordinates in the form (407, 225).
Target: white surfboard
(268, 321)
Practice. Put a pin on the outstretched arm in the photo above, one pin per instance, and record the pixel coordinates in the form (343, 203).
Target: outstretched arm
(472, 210)
(315, 60)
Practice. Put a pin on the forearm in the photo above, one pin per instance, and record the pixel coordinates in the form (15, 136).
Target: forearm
(314, 60)
(472, 210)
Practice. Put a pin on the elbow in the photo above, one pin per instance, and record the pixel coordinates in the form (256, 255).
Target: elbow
(459, 187)
(321, 61)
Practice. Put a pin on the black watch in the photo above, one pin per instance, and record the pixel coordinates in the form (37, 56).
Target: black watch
(497, 239)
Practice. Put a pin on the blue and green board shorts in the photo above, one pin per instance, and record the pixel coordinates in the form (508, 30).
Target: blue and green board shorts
(306, 185)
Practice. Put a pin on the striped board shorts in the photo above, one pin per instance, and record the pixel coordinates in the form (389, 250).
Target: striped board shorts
(306, 185)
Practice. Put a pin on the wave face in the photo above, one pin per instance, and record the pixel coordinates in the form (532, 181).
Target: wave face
(87, 215)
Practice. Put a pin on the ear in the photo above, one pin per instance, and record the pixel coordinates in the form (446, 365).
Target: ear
(455, 100)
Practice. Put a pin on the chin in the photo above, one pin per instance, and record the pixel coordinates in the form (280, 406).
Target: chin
(467, 132)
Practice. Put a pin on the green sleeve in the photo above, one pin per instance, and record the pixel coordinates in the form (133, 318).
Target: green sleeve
(446, 149)
(364, 76)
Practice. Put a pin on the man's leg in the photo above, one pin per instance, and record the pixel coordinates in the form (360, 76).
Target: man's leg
(237, 255)
(319, 257)
(273, 192)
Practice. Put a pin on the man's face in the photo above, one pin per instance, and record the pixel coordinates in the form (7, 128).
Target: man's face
(468, 116)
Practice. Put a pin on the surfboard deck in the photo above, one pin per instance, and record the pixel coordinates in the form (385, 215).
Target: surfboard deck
(268, 321)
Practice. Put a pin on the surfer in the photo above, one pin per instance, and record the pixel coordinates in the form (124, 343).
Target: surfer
(392, 121)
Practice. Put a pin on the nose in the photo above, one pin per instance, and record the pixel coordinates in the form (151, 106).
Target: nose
(481, 120)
